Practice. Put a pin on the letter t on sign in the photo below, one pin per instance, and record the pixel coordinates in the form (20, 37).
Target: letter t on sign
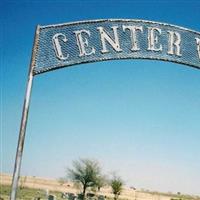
(133, 30)
(198, 46)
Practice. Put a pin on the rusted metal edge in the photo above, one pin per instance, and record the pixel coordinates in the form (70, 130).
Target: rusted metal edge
(52, 68)
(117, 20)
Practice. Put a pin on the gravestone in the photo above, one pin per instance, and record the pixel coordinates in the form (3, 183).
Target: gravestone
(51, 197)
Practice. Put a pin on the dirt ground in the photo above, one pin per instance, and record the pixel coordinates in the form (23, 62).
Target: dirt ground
(54, 185)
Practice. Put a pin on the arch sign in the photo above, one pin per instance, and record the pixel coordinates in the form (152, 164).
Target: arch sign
(64, 45)
(69, 44)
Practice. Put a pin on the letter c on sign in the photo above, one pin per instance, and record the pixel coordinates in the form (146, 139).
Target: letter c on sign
(57, 46)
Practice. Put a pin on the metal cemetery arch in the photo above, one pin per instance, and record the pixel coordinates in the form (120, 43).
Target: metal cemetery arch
(64, 45)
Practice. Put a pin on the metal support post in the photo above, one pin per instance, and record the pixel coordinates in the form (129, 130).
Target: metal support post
(24, 119)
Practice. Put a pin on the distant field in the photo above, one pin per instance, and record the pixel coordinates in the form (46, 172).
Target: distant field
(31, 187)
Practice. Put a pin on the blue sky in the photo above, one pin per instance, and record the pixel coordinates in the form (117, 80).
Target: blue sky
(136, 117)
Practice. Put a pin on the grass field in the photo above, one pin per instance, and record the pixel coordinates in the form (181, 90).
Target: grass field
(31, 193)
(27, 193)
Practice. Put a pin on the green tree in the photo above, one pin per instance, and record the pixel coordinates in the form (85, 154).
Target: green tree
(117, 186)
(101, 181)
(86, 172)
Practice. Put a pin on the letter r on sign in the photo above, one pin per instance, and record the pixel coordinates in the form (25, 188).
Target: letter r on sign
(198, 46)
